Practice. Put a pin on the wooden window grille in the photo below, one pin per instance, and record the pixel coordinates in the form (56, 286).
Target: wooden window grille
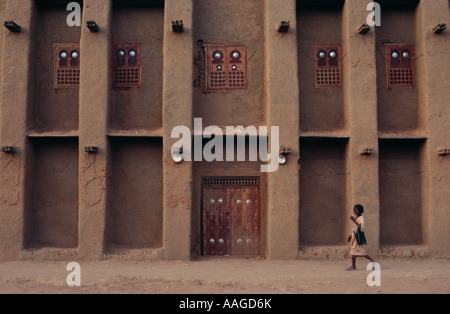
(400, 65)
(67, 65)
(328, 66)
(226, 67)
(127, 65)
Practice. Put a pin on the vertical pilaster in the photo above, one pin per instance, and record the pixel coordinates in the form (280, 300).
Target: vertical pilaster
(177, 111)
(16, 93)
(436, 67)
(283, 111)
(360, 97)
(96, 70)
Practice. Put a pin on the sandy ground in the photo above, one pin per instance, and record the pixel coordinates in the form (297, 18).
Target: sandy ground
(227, 276)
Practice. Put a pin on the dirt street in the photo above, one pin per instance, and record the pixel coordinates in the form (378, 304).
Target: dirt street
(228, 276)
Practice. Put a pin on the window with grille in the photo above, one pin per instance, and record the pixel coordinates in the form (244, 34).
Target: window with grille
(226, 67)
(127, 65)
(400, 65)
(327, 66)
(67, 65)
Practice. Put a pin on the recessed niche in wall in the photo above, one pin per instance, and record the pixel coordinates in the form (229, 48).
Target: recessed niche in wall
(397, 87)
(402, 171)
(240, 98)
(54, 107)
(319, 66)
(226, 169)
(135, 211)
(52, 216)
(137, 94)
(322, 191)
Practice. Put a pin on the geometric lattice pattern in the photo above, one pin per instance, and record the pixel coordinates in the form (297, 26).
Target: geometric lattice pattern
(236, 80)
(328, 77)
(217, 80)
(230, 181)
(126, 77)
(400, 65)
(226, 67)
(67, 65)
(327, 66)
(127, 65)
(67, 78)
(401, 77)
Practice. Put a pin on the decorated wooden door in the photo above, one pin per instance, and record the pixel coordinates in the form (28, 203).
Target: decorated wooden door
(230, 216)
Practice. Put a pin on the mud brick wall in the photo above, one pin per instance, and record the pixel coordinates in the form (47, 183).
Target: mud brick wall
(92, 175)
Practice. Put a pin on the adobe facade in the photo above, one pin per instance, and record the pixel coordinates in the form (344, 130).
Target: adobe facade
(86, 120)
